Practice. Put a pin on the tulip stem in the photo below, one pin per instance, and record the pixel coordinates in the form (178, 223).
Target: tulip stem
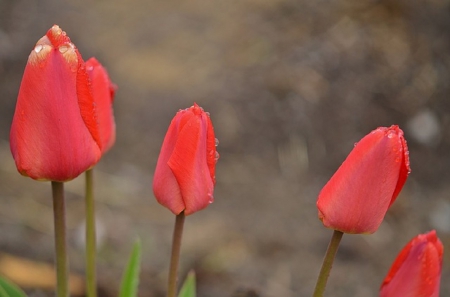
(91, 277)
(175, 258)
(327, 263)
(62, 263)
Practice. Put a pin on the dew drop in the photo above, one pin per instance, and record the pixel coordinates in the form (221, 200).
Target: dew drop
(392, 133)
(216, 141)
(207, 113)
(38, 48)
(216, 156)
(63, 49)
(211, 198)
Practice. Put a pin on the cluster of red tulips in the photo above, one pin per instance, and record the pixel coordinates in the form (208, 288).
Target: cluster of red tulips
(64, 123)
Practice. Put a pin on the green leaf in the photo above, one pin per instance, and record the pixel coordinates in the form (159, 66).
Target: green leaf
(8, 289)
(188, 288)
(130, 278)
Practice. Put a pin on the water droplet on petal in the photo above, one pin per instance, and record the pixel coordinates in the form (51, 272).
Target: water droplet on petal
(207, 113)
(211, 198)
(38, 48)
(216, 156)
(216, 141)
(63, 49)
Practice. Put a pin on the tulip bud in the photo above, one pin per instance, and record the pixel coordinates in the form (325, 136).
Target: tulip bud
(103, 91)
(54, 133)
(416, 272)
(358, 195)
(185, 173)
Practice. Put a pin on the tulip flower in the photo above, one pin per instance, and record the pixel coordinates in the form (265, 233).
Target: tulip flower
(416, 272)
(358, 195)
(185, 172)
(54, 134)
(103, 91)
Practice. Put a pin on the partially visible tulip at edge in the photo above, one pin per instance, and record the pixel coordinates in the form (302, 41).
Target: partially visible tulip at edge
(357, 197)
(416, 272)
(103, 91)
(185, 172)
(54, 134)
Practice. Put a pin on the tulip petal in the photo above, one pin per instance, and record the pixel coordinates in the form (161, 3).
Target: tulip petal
(189, 163)
(86, 103)
(405, 169)
(103, 92)
(165, 186)
(212, 154)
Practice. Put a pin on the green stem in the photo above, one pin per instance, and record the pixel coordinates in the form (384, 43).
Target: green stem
(62, 263)
(327, 263)
(175, 258)
(91, 250)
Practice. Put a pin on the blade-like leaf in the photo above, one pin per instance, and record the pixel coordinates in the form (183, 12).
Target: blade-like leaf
(8, 289)
(188, 288)
(130, 278)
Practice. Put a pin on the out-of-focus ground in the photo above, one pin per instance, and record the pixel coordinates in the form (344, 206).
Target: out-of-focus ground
(291, 86)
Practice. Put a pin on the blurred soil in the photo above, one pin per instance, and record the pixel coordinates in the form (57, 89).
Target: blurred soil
(291, 86)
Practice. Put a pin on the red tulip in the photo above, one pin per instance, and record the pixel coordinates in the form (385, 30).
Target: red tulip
(185, 173)
(54, 133)
(358, 195)
(103, 91)
(416, 272)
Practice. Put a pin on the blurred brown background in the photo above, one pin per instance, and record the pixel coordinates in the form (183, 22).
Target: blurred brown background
(291, 85)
